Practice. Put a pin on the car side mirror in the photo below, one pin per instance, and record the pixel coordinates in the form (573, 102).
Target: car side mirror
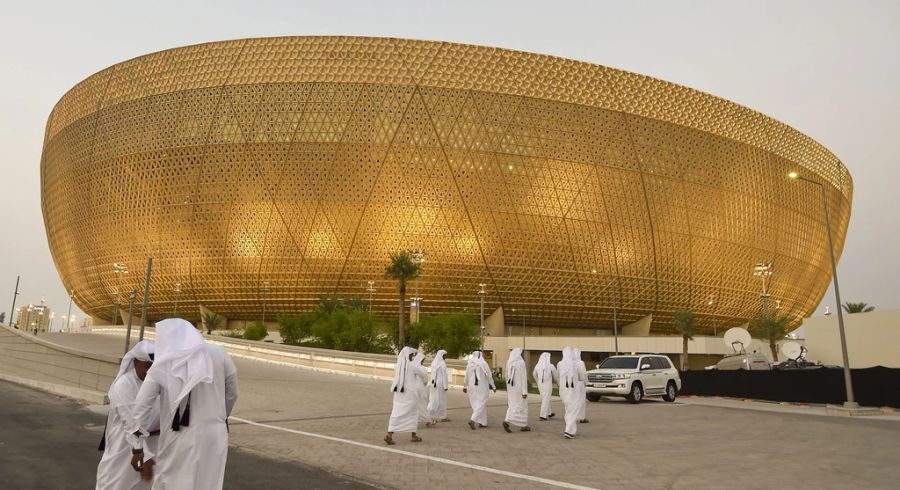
(645, 366)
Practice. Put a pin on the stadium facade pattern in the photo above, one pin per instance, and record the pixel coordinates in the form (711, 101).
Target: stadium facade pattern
(279, 170)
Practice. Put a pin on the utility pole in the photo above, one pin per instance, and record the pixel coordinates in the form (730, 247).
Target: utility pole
(130, 316)
(12, 312)
(69, 314)
(482, 292)
(146, 297)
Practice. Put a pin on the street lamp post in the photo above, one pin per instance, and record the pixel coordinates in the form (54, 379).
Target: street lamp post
(130, 316)
(15, 295)
(69, 314)
(848, 382)
(417, 256)
(763, 270)
(482, 292)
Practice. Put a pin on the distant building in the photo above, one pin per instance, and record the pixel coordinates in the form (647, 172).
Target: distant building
(34, 317)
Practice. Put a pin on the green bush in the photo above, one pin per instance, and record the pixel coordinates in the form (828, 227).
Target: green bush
(256, 331)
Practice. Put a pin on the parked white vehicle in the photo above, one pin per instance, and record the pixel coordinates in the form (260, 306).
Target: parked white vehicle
(634, 377)
(748, 362)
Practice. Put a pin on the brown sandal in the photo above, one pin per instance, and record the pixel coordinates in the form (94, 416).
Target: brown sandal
(389, 440)
(416, 439)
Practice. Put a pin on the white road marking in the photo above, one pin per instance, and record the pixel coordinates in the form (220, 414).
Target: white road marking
(545, 481)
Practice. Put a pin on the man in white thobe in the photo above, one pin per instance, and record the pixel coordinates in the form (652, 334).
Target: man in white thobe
(114, 471)
(478, 384)
(581, 387)
(405, 410)
(568, 378)
(196, 384)
(516, 392)
(422, 388)
(545, 376)
(437, 403)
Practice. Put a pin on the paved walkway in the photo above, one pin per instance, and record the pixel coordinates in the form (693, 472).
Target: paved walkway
(336, 423)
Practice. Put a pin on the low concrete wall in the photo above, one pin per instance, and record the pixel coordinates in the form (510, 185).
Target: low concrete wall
(375, 366)
(872, 339)
(29, 360)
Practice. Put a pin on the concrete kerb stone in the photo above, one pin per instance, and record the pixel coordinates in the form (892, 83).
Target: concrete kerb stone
(92, 397)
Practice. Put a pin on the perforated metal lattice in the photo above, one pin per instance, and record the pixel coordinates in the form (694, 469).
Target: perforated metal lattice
(278, 170)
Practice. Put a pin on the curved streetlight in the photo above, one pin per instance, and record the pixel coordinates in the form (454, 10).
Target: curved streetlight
(848, 382)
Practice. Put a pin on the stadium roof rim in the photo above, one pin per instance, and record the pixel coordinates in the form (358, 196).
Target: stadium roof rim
(450, 65)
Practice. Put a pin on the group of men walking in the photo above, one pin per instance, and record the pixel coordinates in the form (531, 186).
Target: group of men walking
(168, 409)
(418, 399)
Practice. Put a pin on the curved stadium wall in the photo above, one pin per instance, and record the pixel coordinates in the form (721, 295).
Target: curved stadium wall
(266, 173)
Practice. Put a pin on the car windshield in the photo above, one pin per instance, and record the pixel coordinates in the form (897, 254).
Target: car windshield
(619, 363)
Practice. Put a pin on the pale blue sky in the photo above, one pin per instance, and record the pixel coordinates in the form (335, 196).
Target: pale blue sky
(831, 69)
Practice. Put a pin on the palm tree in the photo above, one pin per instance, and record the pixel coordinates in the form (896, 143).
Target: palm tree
(685, 325)
(403, 269)
(211, 320)
(857, 307)
(771, 327)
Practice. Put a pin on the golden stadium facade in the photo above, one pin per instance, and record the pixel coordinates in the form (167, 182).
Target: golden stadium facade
(266, 173)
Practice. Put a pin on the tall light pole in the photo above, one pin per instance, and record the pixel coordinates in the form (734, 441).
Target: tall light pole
(763, 270)
(177, 291)
(119, 269)
(371, 290)
(130, 317)
(69, 314)
(482, 292)
(15, 295)
(848, 382)
(146, 297)
(417, 256)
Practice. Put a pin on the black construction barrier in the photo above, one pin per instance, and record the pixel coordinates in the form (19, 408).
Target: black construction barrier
(873, 387)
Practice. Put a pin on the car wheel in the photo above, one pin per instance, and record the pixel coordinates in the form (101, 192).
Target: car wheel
(671, 392)
(636, 393)
(594, 397)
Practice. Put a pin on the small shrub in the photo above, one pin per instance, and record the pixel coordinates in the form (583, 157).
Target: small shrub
(256, 331)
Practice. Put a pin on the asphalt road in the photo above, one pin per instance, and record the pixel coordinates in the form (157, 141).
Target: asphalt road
(50, 442)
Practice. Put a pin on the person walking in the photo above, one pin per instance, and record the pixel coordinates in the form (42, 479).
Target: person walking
(437, 403)
(405, 409)
(478, 384)
(568, 377)
(196, 385)
(516, 392)
(545, 375)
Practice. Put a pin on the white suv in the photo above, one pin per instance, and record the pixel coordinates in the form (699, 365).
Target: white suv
(634, 377)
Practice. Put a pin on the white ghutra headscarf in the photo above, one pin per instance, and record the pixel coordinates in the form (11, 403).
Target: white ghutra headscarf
(142, 351)
(400, 369)
(439, 370)
(513, 365)
(479, 368)
(181, 360)
(544, 369)
(567, 370)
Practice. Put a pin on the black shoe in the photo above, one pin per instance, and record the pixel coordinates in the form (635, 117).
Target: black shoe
(472, 425)
(506, 427)
(525, 429)
(568, 436)
(482, 426)
(543, 418)
(552, 415)
(585, 421)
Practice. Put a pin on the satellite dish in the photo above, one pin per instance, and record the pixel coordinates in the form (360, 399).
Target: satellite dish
(738, 339)
(792, 350)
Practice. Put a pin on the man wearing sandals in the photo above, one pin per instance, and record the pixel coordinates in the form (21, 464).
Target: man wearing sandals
(405, 411)
(516, 392)
(478, 384)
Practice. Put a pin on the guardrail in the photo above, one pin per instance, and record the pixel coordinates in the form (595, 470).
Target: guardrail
(32, 361)
(373, 366)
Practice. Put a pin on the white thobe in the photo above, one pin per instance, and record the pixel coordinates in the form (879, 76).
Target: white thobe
(193, 458)
(114, 471)
(516, 386)
(545, 387)
(581, 389)
(422, 389)
(437, 404)
(478, 393)
(405, 411)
